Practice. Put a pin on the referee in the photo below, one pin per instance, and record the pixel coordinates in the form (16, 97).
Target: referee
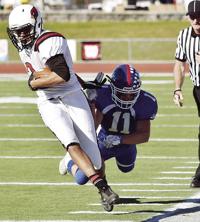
(188, 51)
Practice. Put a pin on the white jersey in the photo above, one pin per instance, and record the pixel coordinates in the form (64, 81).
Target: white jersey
(49, 44)
(63, 107)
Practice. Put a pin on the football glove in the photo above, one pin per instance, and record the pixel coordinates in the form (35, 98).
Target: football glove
(96, 83)
(112, 140)
(91, 94)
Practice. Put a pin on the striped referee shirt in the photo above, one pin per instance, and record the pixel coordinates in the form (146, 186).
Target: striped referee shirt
(188, 44)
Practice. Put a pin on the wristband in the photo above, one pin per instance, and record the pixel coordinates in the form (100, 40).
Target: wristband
(177, 90)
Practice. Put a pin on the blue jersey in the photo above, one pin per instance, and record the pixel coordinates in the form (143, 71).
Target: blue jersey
(122, 121)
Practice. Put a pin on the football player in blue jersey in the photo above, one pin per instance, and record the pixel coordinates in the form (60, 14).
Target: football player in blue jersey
(122, 113)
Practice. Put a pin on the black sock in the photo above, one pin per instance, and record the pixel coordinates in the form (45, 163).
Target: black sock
(99, 182)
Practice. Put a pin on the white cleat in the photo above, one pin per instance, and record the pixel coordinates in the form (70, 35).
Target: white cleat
(63, 164)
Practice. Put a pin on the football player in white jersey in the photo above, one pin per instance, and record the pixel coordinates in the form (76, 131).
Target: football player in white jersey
(61, 102)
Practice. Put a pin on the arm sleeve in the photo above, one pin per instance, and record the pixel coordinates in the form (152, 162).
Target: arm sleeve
(58, 65)
(151, 107)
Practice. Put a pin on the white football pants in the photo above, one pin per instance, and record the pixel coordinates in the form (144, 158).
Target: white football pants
(71, 120)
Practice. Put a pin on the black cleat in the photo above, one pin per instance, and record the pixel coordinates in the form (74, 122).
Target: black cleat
(108, 198)
(195, 182)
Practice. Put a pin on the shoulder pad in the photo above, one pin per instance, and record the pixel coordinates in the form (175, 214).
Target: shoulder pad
(45, 36)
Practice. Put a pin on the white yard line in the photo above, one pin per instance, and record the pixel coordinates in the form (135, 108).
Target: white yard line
(177, 172)
(104, 212)
(28, 107)
(18, 115)
(192, 162)
(152, 197)
(42, 125)
(74, 184)
(176, 115)
(172, 178)
(158, 115)
(139, 157)
(175, 107)
(132, 204)
(185, 167)
(23, 125)
(173, 139)
(188, 202)
(31, 157)
(18, 99)
(17, 106)
(155, 82)
(152, 139)
(187, 211)
(38, 184)
(66, 221)
(175, 126)
(27, 139)
(168, 157)
(156, 190)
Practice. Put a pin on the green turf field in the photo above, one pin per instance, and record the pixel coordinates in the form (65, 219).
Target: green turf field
(32, 189)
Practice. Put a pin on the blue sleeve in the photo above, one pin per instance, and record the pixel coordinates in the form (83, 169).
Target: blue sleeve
(148, 107)
(101, 99)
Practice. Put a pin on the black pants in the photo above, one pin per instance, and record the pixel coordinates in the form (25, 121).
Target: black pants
(196, 94)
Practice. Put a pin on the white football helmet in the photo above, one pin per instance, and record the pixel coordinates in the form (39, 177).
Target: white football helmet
(25, 25)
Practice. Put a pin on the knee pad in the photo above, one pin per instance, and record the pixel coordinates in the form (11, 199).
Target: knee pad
(126, 169)
(80, 177)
